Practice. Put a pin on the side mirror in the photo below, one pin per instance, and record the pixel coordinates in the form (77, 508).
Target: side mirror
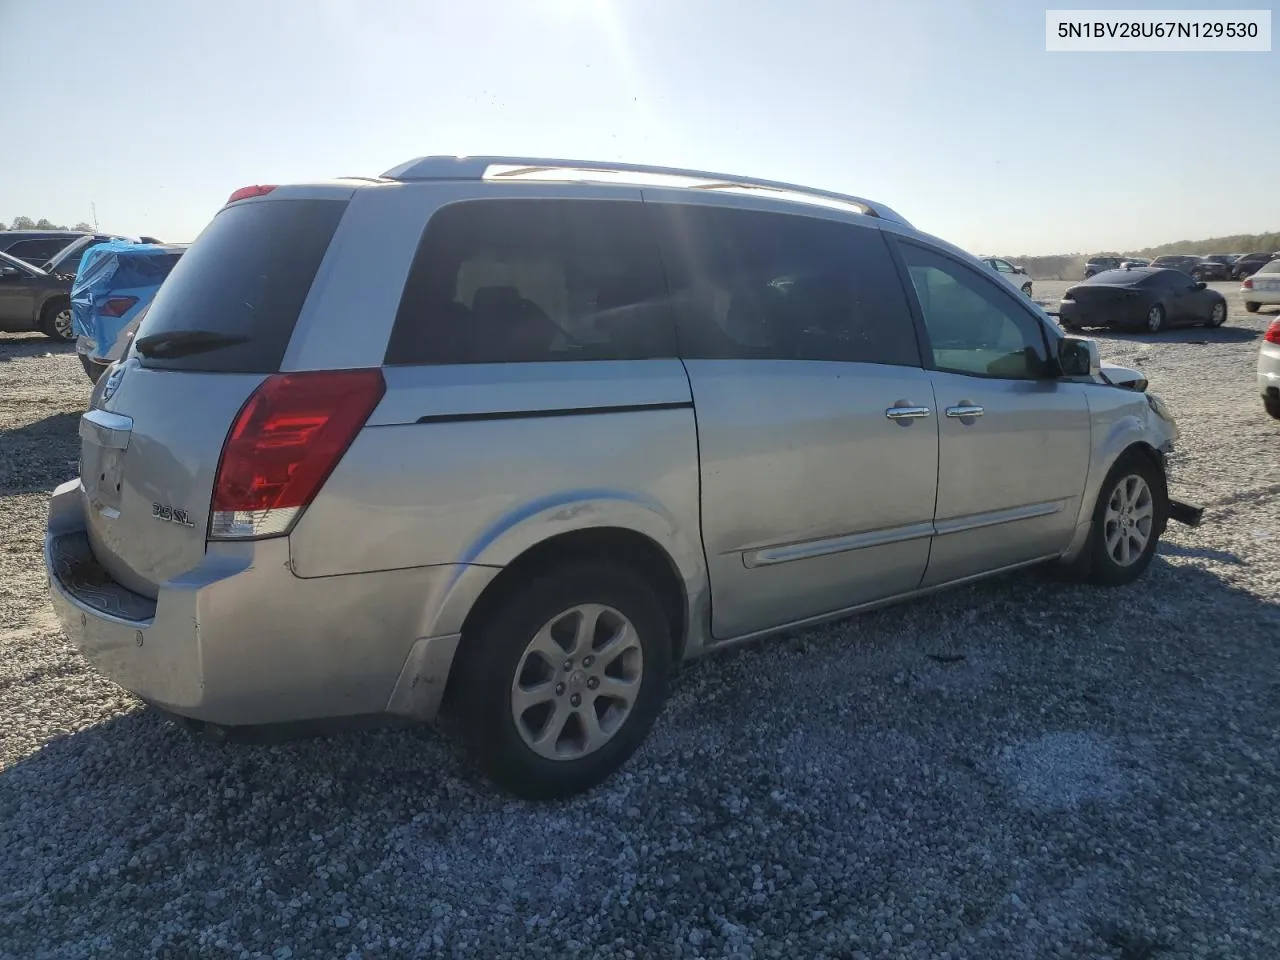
(1200, 284)
(1078, 357)
(1019, 270)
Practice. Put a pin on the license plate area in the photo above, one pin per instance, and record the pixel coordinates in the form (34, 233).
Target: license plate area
(104, 440)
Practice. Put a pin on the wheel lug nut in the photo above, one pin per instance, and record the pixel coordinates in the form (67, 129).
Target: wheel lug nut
(593, 682)
(568, 665)
(588, 661)
(559, 689)
(576, 700)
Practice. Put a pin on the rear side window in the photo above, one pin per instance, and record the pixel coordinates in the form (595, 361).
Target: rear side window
(522, 281)
(748, 284)
(233, 298)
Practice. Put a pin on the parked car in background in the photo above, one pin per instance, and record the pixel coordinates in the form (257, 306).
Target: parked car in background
(115, 283)
(1185, 263)
(31, 299)
(532, 432)
(1130, 262)
(1014, 274)
(1269, 369)
(1099, 264)
(1249, 264)
(1144, 298)
(1214, 267)
(1262, 288)
(36, 246)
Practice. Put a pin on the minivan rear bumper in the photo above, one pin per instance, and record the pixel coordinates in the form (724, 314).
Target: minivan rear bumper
(241, 641)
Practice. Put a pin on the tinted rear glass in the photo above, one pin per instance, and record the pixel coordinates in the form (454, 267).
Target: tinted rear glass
(246, 276)
(747, 284)
(1118, 278)
(523, 281)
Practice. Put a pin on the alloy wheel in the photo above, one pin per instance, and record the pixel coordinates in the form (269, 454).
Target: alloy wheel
(62, 325)
(577, 682)
(1128, 520)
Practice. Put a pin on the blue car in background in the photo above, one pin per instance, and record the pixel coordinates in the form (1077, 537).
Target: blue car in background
(113, 287)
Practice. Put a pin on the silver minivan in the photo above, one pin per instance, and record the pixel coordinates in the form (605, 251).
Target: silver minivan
(513, 438)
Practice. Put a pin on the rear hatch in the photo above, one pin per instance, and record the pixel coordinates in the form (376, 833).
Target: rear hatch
(216, 330)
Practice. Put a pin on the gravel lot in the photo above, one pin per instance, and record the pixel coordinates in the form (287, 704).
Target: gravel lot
(1017, 769)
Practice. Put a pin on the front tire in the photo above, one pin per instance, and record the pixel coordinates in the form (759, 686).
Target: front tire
(55, 321)
(1218, 315)
(1251, 307)
(561, 683)
(1128, 520)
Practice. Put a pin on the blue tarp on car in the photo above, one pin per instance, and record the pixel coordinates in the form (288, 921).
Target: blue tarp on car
(117, 269)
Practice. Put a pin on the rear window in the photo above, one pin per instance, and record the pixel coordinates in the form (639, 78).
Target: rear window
(237, 291)
(37, 251)
(1272, 267)
(522, 281)
(1118, 278)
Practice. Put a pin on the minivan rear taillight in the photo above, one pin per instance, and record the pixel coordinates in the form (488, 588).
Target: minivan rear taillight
(1273, 332)
(283, 445)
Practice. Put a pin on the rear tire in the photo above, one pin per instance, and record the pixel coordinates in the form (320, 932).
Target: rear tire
(510, 695)
(92, 370)
(55, 321)
(1272, 405)
(1128, 521)
(1251, 307)
(1155, 318)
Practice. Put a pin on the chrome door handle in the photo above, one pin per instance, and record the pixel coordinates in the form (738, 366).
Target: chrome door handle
(964, 410)
(907, 413)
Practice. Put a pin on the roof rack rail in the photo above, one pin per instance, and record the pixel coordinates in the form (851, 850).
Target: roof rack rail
(533, 168)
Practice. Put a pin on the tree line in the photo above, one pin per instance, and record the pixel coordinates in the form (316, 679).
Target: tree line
(1070, 266)
(26, 223)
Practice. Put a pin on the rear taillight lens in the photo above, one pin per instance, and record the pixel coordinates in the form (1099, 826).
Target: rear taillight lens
(1248, 283)
(1273, 332)
(257, 190)
(284, 444)
(118, 306)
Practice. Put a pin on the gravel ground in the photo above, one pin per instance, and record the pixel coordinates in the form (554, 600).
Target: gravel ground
(1021, 768)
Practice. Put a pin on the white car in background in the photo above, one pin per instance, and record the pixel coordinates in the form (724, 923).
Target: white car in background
(1269, 370)
(1014, 274)
(1261, 288)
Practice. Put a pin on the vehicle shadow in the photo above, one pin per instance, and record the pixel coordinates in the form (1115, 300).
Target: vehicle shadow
(136, 804)
(21, 345)
(1196, 335)
(37, 451)
(1201, 553)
